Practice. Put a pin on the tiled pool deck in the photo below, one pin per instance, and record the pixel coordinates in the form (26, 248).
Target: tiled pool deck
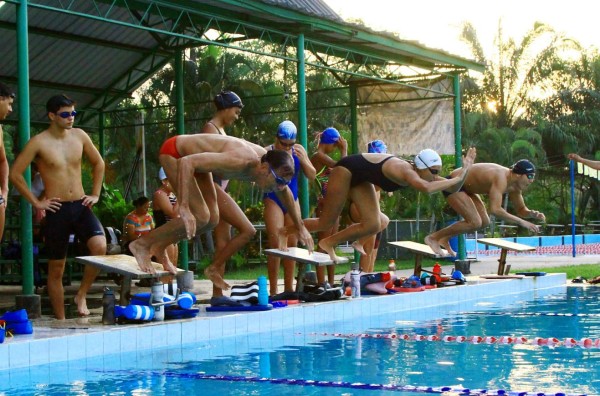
(51, 344)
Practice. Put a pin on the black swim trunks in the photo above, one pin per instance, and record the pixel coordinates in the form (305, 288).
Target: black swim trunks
(365, 171)
(447, 194)
(72, 218)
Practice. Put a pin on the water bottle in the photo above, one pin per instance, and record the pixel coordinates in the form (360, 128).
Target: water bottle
(437, 272)
(392, 265)
(108, 307)
(156, 300)
(355, 282)
(263, 294)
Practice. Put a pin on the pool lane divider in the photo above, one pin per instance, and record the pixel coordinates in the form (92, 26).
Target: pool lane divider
(345, 384)
(575, 315)
(586, 343)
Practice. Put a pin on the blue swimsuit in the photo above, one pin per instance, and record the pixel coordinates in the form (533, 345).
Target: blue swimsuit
(293, 184)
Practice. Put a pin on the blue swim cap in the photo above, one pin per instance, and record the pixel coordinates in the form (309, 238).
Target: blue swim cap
(377, 146)
(287, 130)
(228, 99)
(329, 136)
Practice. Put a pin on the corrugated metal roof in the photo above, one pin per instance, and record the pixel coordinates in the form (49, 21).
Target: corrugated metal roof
(100, 52)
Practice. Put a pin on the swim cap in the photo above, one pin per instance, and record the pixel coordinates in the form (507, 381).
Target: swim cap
(161, 174)
(427, 158)
(329, 136)
(287, 130)
(523, 167)
(377, 146)
(228, 99)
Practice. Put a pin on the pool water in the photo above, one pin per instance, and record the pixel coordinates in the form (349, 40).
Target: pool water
(312, 362)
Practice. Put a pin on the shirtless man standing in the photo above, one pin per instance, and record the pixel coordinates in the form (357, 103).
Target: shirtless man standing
(7, 97)
(58, 152)
(492, 180)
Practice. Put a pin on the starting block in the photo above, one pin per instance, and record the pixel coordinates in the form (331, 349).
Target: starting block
(125, 265)
(303, 257)
(505, 246)
(420, 250)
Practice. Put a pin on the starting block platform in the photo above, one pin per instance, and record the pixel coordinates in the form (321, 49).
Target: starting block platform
(126, 266)
(505, 246)
(303, 257)
(420, 250)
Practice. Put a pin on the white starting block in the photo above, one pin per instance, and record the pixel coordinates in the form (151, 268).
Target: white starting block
(505, 246)
(303, 257)
(125, 265)
(420, 250)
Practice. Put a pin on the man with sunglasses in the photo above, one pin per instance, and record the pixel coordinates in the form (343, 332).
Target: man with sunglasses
(494, 181)
(7, 96)
(57, 152)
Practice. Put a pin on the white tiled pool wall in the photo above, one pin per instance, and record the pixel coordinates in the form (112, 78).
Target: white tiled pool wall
(239, 332)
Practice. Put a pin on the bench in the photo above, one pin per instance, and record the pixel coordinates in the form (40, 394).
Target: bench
(505, 246)
(303, 257)
(420, 250)
(125, 265)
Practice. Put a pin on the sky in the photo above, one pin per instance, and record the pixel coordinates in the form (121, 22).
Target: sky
(435, 23)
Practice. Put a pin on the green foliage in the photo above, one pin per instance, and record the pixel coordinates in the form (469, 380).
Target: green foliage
(112, 209)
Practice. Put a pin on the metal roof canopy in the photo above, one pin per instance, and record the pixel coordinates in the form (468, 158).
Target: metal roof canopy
(100, 52)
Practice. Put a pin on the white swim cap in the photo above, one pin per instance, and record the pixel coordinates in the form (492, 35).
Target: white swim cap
(427, 158)
(161, 174)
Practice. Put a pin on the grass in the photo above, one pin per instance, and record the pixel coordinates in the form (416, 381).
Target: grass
(587, 271)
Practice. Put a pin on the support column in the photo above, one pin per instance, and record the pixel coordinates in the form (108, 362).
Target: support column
(302, 133)
(28, 300)
(180, 128)
(462, 252)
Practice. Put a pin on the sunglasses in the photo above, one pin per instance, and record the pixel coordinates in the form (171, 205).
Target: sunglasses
(66, 114)
(531, 176)
(433, 171)
(286, 145)
(278, 179)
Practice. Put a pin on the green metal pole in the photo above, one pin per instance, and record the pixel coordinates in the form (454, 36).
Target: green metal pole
(101, 137)
(24, 134)
(180, 127)
(301, 88)
(462, 251)
(354, 138)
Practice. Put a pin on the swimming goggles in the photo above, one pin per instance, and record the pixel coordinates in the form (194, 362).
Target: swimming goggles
(433, 171)
(66, 114)
(278, 179)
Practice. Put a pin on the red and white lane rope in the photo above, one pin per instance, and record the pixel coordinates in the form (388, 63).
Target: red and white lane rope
(506, 340)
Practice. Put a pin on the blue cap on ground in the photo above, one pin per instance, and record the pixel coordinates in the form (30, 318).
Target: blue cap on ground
(287, 130)
(329, 136)
(457, 275)
(377, 146)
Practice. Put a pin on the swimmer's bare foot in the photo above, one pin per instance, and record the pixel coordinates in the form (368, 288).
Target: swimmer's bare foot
(81, 303)
(330, 250)
(359, 248)
(213, 274)
(142, 256)
(434, 245)
(446, 245)
(163, 258)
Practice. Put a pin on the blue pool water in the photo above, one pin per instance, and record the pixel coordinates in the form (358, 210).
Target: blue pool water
(341, 360)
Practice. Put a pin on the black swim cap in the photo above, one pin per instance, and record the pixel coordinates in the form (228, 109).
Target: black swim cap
(228, 99)
(523, 167)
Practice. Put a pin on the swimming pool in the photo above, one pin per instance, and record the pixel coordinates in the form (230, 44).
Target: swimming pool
(343, 354)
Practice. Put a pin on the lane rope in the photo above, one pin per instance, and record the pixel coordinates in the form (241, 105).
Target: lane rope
(347, 384)
(568, 342)
(577, 315)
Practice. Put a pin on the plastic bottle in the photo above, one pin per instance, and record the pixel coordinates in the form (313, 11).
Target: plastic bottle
(392, 265)
(108, 307)
(355, 282)
(437, 272)
(156, 299)
(263, 294)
